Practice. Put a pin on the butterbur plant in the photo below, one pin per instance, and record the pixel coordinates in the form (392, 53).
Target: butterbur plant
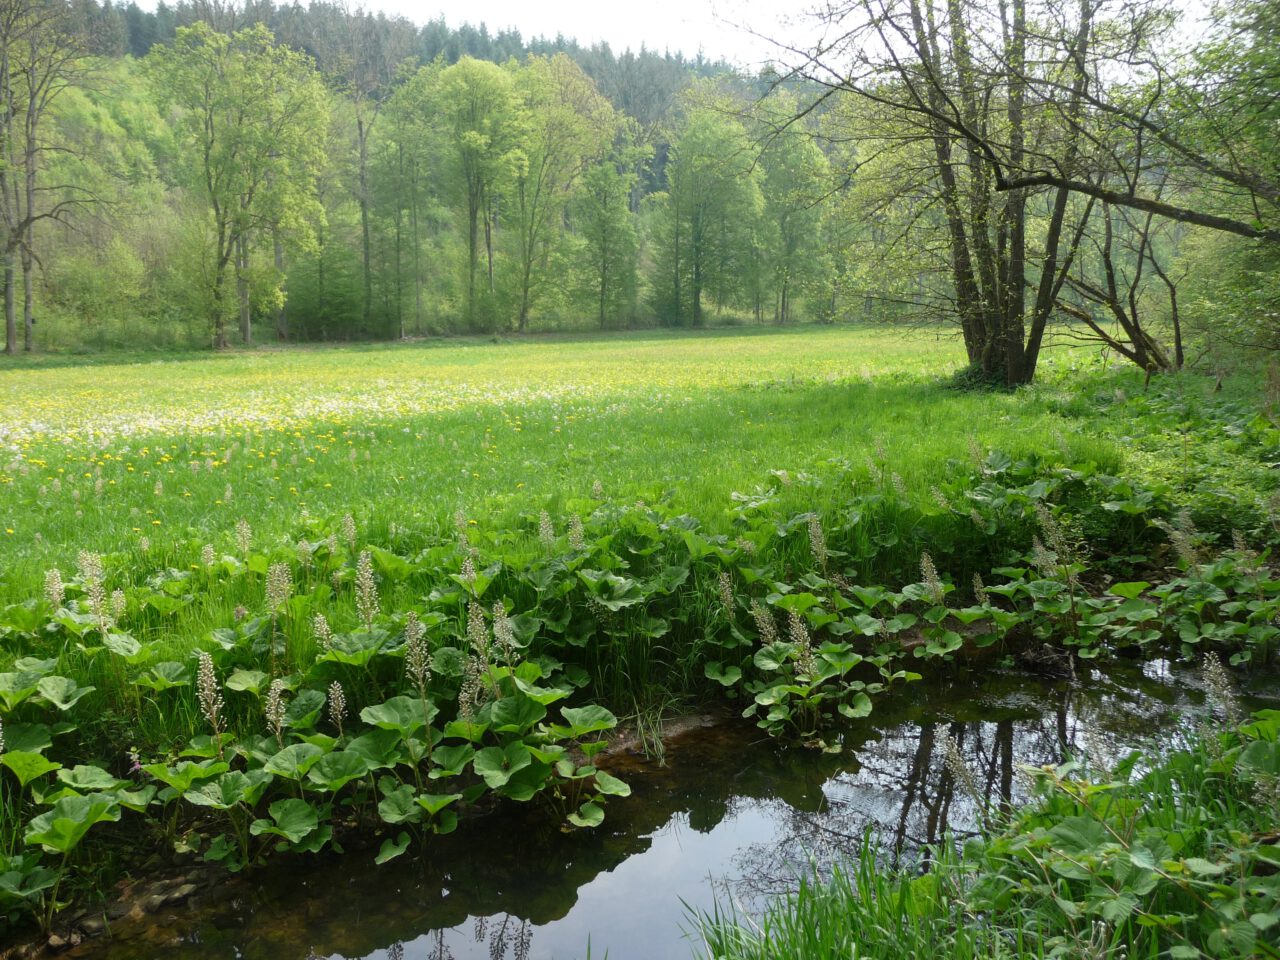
(1220, 690)
(274, 710)
(460, 525)
(322, 631)
(209, 696)
(961, 774)
(817, 541)
(417, 661)
(940, 497)
(477, 631)
(469, 691)
(934, 590)
(724, 584)
(468, 571)
(766, 627)
(279, 587)
(503, 634)
(1062, 558)
(1044, 561)
(1183, 535)
(91, 576)
(54, 590)
(366, 590)
(475, 671)
(337, 698)
(577, 534)
(417, 667)
(798, 633)
(244, 537)
(661, 593)
(118, 604)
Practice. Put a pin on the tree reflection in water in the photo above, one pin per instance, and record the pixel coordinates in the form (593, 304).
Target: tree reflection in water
(901, 794)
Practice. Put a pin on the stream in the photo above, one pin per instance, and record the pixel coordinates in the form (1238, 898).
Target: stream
(727, 817)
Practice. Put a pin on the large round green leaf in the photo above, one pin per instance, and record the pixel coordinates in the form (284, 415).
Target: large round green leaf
(62, 827)
(292, 819)
(497, 764)
(62, 692)
(294, 761)
(27, 766)
(515, 714)
(89, 779)
(404, 714)
(588, 719)
(334, 771)
(183, 775)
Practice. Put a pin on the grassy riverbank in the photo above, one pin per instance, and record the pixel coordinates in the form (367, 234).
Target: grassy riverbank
(1167, 856)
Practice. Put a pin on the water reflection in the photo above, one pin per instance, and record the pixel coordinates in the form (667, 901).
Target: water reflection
(731, 813)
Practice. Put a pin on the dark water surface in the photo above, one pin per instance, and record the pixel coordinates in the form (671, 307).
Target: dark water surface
(729, 815)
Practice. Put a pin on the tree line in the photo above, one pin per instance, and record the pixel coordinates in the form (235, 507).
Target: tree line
(207, 171)
(341, 185)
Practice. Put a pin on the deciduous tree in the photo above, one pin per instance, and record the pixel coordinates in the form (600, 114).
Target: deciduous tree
(253, 115)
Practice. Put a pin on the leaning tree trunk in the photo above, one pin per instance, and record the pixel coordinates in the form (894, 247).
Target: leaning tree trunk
(968, 300)
(1019, 366)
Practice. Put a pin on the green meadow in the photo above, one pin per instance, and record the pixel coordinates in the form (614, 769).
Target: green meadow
(106, 456)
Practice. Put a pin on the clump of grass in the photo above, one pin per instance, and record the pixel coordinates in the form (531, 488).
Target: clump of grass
(861, 910)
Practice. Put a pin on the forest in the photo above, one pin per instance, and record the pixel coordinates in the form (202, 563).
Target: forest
(201, 176)
(314, 174)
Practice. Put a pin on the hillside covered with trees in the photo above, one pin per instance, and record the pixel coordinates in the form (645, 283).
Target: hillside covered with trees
(316, 174)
